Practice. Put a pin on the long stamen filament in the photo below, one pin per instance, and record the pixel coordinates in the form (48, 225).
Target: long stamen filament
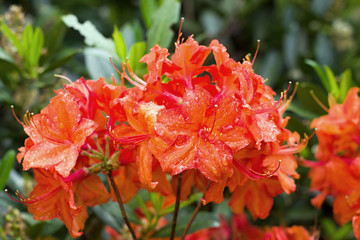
(277, 103)
(28, 200)
(252, 174)
(257, 50)
(318, 101)
(124, 75)
(180, 33)
(213, 124)
(17, 119)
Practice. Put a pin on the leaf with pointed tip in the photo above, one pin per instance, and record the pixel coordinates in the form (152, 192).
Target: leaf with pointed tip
(11, 36)
(345, 84)
(320, 72)
(120, 44)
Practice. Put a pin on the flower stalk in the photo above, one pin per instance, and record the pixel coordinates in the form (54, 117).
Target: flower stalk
(121, 204)
(177, 205)
(199, 205)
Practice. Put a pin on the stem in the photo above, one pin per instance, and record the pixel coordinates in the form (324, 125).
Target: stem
(120, 202)
(177, 205)
(194, 214)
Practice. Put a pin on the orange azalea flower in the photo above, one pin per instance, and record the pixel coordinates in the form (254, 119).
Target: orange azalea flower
(94, 98)
(65, 198)
(140, 117)
(257, 196)
(56, 136)
(337, 171)
(193, 136)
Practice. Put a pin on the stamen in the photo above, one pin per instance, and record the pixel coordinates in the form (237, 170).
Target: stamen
(180, 33)
(129, 79)
(318, 101)
(252, 174)
(277, 104)
(132, 74)
(212, 127)
(30, 201)
(257, 50)
(123, 74)
(17, 119)
(63, 77)
(287, 102)
(298, 148)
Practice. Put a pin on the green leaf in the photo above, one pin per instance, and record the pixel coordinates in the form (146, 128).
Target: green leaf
(137, 51)
(345, 84)
(343, 232)
(183, 204)
(328, 226)
(320, 72)
(202, 220)
(36, 46)
(160, 32)
(334, 88)
(92, 36)
(156, 200)
(147, 8)
(26, 40)
(143, 207)
(11, 36)
(120, 44)
(6, 165)
(54, 38)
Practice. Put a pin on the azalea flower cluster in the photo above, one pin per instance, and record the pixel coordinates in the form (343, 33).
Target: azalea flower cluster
(218, 125)
(337, 171)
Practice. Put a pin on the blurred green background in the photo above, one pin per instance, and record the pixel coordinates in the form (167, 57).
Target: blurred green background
(291, 33)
